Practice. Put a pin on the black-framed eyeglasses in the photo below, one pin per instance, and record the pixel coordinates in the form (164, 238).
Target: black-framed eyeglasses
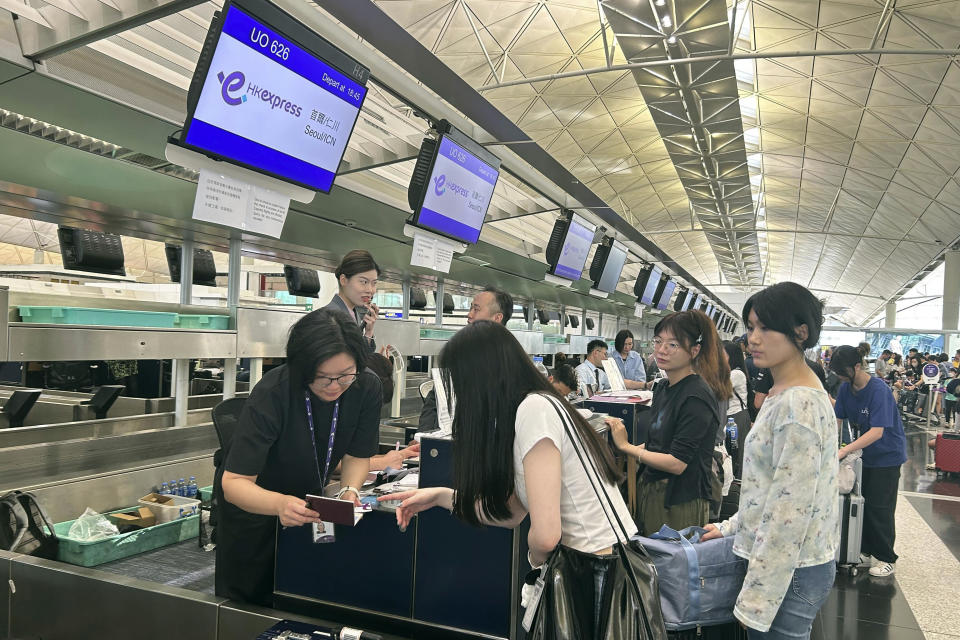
(344, 381)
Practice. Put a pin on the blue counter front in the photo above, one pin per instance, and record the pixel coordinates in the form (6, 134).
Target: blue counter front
(439, 574)
(635, 416)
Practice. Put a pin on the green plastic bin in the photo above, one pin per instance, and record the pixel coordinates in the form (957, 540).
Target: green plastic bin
(99, 317)
(91, 554)
(206, 493)
(436, 334)
(202, 321)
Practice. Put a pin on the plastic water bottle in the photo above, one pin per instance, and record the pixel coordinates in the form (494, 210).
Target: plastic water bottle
(732, 432)
(538, 363)
(192, 488)
(173, 487)
(182, 488)
(164, 489)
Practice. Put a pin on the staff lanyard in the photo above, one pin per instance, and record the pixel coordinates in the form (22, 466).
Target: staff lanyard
(313, 439)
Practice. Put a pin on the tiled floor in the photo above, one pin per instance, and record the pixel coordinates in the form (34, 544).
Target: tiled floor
(864, 607)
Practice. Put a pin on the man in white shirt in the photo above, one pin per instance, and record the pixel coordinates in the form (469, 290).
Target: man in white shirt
(590, 373)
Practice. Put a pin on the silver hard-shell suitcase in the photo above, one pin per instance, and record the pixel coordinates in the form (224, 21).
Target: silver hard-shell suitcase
(851, 523)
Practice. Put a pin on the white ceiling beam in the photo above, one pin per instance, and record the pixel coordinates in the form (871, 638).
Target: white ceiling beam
(63, 34)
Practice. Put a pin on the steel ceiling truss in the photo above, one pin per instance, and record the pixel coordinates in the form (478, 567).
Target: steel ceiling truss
(54, 27)
(696, 109)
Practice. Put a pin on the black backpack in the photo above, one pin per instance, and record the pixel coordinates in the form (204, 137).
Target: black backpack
(25, 527)
(68, 376)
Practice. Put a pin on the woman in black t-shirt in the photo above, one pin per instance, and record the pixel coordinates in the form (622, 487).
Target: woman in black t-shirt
(675, 486)
(303, 418)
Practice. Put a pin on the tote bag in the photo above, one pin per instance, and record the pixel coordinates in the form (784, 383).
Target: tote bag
(586, 596)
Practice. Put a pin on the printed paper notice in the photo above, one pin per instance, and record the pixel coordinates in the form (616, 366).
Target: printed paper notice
(431, 252)
(220, 199)
(233, 203)
(268, 212)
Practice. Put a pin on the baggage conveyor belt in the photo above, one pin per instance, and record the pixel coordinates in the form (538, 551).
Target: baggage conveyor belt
(183, 565)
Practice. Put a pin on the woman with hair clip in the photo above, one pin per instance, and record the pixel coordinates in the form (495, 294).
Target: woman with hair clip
(512, 454)
(357, 276)
(788, 525)
(676, 486)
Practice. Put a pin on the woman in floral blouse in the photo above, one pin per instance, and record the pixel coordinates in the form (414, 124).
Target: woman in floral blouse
(788, 524)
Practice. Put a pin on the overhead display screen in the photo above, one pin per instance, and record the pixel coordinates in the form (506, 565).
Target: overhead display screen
(666, 295)
(610, 277)
(697, 303)
(458, 191)
(653, 280)
(688, 301)
(272, 104)
(576, 246)
(710, 310)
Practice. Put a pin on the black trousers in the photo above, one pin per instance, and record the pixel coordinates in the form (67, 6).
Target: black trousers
(880, 486)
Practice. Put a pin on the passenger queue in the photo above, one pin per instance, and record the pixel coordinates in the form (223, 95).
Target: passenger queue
(522, 450)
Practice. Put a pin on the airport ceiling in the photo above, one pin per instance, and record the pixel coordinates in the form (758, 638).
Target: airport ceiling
(759, 163)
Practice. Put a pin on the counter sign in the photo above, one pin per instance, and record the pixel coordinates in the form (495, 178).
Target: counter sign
(931, 374)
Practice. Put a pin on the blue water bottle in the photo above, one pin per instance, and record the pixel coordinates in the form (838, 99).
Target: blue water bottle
(192, 488)
(164, 488)
(732, 432)
(182, 488)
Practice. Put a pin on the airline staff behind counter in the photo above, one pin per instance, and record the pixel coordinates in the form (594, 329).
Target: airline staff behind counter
(357, 277)
(304, 418)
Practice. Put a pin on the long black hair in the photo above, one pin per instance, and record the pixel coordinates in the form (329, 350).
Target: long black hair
(735, 354)
(621, 339)
(490, 375)
(317, 337)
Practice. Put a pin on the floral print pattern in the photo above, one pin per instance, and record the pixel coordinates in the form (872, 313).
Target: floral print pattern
(789, 513)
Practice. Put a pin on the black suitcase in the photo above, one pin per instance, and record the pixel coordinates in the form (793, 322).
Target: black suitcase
(731, 502)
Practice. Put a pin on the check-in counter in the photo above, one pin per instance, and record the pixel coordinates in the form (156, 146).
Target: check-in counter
(439, 574)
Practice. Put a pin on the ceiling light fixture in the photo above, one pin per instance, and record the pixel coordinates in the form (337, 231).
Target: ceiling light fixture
(661, 3)
(672, 40)
(666, 22)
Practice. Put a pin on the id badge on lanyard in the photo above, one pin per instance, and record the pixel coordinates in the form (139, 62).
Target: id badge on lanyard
(323, 532)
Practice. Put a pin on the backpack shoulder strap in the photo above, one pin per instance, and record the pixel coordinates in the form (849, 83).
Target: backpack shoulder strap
(31, 505)
(11, 504)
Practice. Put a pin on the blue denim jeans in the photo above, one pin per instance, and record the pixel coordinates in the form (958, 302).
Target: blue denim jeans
(807, 592)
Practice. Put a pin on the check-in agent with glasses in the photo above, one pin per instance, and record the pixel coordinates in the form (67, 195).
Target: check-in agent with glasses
(320, 409)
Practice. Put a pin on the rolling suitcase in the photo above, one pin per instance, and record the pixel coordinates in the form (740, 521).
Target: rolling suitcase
(947, 452)
(731, 502)
(851, 523)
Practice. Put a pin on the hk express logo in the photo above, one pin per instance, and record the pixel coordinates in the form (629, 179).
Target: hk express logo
(235, 82)
(232, 82)
(440, 186)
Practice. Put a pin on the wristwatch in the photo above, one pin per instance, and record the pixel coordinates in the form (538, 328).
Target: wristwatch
(343, 490)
